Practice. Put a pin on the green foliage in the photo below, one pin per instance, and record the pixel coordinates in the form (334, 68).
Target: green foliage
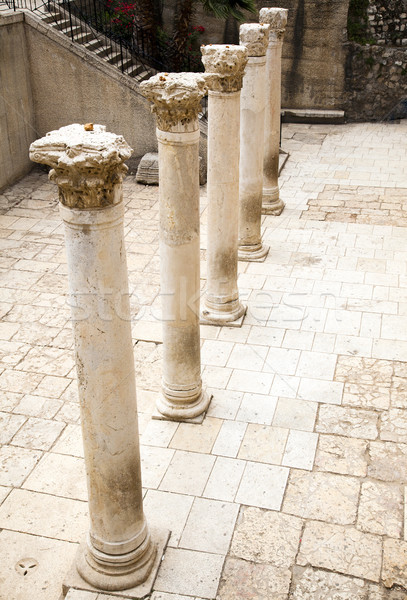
(358, 23)
(222, 9)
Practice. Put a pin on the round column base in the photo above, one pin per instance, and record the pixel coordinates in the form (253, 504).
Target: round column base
(254, 253)
(272, 204)
(212, 315)
(174, 410)
(116, 572)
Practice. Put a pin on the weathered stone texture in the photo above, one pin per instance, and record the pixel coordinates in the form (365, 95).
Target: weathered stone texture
(267, 537)
(375, 82)
(253, 581)
(347, 421)
(394, 563)
(342, 455)
(324, 496)
(342, 549)
(381, 509)
(387, 461)
(313, 584)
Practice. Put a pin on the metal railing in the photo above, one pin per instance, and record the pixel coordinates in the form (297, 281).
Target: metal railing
(122, 33)
(92, 22)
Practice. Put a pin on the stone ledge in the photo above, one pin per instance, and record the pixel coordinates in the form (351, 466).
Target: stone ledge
(311, 115)
(9, 17)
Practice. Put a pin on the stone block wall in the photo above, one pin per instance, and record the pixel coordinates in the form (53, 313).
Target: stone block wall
(376, 83)
(313, 59)
(52, 82)
(376, 65)
(17, 123)
(72, 85)
(387, 21)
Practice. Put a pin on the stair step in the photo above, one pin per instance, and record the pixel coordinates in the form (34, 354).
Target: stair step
(121, 60)
(75, 31)
(115, 58)
(61, 24)
(51, 18)
(83, 37)
(103, 51)
(133, 70)
(126, 64)
(93, 44)
(143, 76)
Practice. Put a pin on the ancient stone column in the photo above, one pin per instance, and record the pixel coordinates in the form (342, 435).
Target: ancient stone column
(222, 305)
(277, 19)
(88, 168)
(176, 102)
(252, 107)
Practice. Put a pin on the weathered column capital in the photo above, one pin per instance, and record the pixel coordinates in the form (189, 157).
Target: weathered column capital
(176, 99)
(228, 63)
(85, 164)
(276, 18)
(255, 37)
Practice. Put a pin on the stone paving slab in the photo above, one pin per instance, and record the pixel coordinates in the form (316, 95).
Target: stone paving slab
(293, 487)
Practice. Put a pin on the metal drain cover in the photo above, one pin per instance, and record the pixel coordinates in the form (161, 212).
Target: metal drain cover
(26, 566)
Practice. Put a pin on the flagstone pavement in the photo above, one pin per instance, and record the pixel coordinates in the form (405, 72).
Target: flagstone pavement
(294, 486)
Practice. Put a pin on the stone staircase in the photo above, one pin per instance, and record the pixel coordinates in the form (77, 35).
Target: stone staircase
(85, 35)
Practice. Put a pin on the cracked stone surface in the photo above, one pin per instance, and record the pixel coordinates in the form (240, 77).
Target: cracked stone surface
(393, 425)
(331, 498)
(253, 581)
(314, 584)
(381, 509)
(318, 370)
(343, 549)
(394, 563)
(388, 461)
(351, 422)
(338, 454)
(266, 537)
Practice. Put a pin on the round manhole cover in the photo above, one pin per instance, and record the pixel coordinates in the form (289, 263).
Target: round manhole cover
(26, 566)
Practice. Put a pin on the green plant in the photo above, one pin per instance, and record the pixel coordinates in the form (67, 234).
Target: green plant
(358, 23)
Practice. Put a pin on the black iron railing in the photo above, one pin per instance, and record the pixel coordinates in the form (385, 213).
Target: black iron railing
(122, 34)
(134, 50)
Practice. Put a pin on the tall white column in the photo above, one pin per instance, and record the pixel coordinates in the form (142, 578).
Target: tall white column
(222, 305)
(252, 108)
(88, 168)
(176, 102)
(277, 19)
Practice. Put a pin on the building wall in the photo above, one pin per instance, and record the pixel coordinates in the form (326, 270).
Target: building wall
(314, 55)
(71, 85)
(17, 125)
(50, 82)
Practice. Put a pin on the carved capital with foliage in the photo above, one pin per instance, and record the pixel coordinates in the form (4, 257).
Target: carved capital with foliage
(228, 63)
(255, 37)
(86, 164)
(276, 18)
(176, 99)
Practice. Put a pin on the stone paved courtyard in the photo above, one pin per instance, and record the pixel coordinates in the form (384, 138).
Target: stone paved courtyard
(294, 487)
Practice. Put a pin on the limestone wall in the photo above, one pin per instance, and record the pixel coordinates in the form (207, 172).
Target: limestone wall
(313, 59)
(71, 85)
(49, 83)
(17, 129)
